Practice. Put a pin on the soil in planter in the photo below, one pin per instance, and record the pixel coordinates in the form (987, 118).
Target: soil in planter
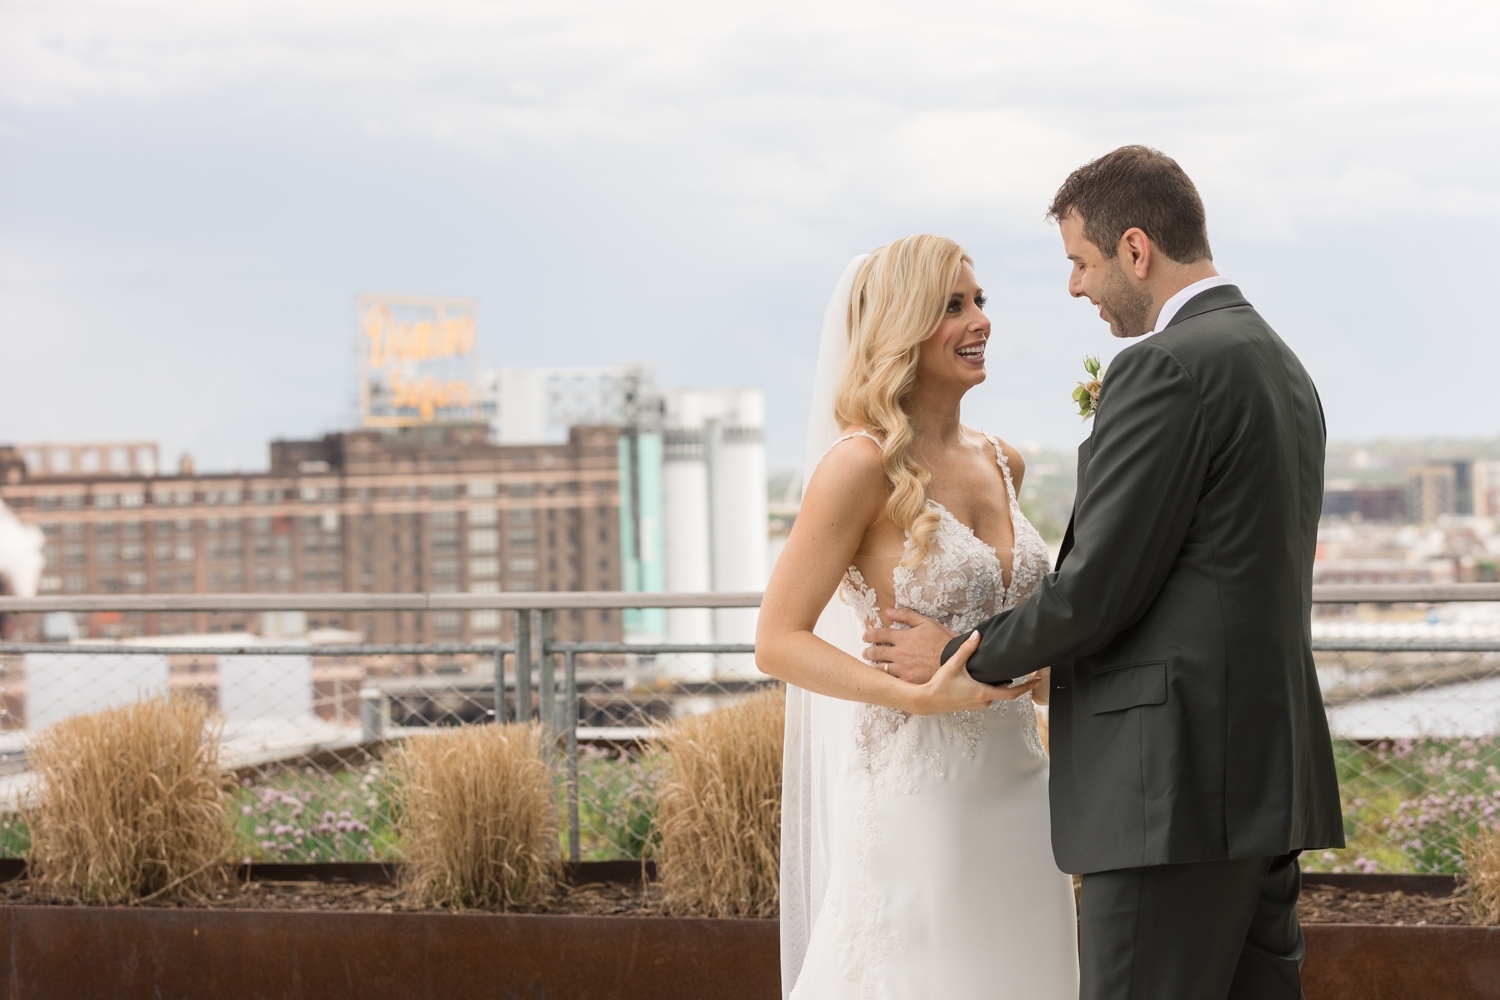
(598, 899)
(1321, 904)
(1318, 904)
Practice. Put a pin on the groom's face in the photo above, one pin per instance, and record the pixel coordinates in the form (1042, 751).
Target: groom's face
(1123, 303)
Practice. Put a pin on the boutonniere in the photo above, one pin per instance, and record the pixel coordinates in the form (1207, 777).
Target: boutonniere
(1087, 393)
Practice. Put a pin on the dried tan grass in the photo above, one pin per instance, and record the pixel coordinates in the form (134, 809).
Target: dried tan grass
(1482, 853)
(719, 810)
(474, 805)
(131, 803)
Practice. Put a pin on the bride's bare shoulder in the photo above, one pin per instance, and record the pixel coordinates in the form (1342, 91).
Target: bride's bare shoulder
(1013, 458)
(850, 471)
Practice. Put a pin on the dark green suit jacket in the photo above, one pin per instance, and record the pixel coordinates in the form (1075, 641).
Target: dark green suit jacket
(1186, 722)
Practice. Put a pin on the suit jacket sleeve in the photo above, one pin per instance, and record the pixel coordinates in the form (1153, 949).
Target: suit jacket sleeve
(1146, 472)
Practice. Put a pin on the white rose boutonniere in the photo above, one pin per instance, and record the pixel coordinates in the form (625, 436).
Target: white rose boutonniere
(1087, 393)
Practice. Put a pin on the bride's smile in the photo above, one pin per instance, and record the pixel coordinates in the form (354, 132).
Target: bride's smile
(952, 359)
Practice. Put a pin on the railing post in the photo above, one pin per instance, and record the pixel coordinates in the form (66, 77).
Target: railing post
(570, 701)
(499, 687)
(374, 714)
(546, 687)
(523, 667)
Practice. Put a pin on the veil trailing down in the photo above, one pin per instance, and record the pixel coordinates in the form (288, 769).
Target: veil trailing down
(915, 854)
(809, 762)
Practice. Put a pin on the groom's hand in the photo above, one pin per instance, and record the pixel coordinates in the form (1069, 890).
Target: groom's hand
(911, 654)
(953, 690)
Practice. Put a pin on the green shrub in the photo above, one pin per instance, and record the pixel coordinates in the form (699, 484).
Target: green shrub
(1409, 805)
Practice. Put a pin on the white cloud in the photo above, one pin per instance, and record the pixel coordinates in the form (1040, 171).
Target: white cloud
(1283, 110)
(712, 165)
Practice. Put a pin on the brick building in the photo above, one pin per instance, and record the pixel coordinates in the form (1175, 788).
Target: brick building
(434, 509)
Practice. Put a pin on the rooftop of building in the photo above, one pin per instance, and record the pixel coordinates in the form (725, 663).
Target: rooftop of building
(444, 449)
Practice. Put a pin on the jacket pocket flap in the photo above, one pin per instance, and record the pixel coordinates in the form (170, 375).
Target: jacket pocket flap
(1129, 686)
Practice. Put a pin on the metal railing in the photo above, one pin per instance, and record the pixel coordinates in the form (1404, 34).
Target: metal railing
(601, 715)
(1416, 720)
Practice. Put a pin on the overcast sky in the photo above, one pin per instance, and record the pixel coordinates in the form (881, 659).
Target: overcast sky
(192, 195)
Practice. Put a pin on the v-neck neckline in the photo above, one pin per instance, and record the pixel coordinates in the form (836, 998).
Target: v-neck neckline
(986, 546)
(1010, 512)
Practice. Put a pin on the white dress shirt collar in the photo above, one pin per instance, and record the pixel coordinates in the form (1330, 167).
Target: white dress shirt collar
(1170, 308)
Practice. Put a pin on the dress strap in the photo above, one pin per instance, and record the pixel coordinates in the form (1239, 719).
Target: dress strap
(855, 434)
(1010, 486)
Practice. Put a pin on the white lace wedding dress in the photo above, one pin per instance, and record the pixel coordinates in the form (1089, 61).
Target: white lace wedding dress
(928, 871)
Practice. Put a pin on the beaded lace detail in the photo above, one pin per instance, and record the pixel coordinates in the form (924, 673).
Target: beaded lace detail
(959, 584)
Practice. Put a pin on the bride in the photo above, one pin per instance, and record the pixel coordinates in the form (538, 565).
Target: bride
(916, 854)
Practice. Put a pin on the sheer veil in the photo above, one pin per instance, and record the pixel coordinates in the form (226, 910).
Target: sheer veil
(814, 754)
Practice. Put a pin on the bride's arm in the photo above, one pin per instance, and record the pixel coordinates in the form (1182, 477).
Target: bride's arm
(843, 499)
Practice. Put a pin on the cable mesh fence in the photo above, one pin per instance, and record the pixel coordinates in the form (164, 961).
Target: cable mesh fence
(1417, 744)
(307, 731)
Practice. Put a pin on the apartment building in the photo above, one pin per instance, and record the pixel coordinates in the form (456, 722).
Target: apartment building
(436, 509)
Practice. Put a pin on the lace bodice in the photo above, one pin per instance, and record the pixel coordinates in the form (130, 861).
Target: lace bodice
(960, 582)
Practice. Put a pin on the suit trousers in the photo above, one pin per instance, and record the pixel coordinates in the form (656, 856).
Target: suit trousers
(1212, 930)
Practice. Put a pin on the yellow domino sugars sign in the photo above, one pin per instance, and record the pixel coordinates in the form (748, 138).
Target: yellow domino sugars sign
(418, 361)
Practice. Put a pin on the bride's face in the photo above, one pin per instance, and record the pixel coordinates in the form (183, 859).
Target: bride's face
(954, 354)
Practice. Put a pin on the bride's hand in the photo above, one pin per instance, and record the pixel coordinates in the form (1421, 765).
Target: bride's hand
(953, 690)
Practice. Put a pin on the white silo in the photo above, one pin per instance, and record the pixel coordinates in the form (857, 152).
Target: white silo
(685, 513)
(737, 504)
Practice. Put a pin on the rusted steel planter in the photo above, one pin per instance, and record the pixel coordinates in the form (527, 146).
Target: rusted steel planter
(1384, 962)
(62, 953)
(82, 953)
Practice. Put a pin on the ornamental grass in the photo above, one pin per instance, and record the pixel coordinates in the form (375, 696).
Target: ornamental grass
(474, 807)
(1482, 852)
(719, 810)
(131, 804)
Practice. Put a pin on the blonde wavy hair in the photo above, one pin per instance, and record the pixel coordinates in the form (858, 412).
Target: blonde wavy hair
(898, 300)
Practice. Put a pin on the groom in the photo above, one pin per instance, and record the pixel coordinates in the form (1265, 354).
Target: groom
(1191, 760)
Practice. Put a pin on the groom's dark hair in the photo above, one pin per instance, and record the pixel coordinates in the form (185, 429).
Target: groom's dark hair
(1136, 187)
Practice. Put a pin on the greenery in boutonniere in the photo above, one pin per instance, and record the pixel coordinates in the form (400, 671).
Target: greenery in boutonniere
(1087, 393)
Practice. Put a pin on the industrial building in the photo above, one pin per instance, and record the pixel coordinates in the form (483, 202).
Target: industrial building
(461, 479)
(1459, 488)
(692, 483)
(433, 509)
(641, 490)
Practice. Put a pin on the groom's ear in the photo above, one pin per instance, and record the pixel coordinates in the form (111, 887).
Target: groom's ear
(1135, 252)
